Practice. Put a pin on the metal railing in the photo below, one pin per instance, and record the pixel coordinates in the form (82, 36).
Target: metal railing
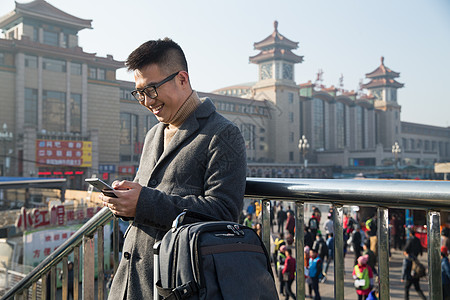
(432, 196)
(84, 238)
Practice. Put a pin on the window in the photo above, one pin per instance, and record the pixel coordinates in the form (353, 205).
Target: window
(31, 61)
(55, 65)
(248, 132)
(319, 124)
(340, 125)
(54, 110)
(150, 122)
(2, 58)
(128, 129)
(65, 42)
(35, 34)
(75, 68)
(51, 38)
(291, 156)
(93, 73)
(101, 74)
(291, 117)
(291, 98)
(360, 136)
(75, 113)
(291, 137)
(31, 105)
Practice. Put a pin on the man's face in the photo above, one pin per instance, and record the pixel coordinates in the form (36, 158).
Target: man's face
(168, 101)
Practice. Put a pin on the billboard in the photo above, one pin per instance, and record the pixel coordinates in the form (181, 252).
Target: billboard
(64, 153)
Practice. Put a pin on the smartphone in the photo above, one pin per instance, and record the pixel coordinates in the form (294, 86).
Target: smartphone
(101, 186)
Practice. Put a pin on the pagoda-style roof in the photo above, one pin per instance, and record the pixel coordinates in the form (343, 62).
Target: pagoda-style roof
(382, 71)
(382, 77)
(276, 46)
(41, 10)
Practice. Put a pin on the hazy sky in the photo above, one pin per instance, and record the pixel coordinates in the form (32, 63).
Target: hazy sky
(338, 36)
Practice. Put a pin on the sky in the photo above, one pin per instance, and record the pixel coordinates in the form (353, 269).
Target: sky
(345, 37)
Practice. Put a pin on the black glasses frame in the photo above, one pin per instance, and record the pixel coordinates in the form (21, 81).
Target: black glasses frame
(150, 89)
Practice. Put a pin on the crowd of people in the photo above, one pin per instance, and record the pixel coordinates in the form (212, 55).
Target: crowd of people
(360, 238)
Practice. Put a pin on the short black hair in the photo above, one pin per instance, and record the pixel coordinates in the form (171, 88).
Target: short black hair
(165, 53)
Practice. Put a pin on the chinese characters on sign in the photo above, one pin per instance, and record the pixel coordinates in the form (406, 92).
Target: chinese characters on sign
(57, 216)
(67, 153)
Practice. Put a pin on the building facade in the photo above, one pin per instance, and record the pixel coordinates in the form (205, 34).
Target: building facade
(64, 109)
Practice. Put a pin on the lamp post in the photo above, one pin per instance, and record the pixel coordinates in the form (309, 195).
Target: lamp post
(303, 146)
(5, 136)
(396, 150)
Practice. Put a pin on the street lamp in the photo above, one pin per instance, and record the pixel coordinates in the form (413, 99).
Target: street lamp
(303, 145)
(396, 150)
(5, 136)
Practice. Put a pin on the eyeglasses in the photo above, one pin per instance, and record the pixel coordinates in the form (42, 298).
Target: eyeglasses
(150, 89)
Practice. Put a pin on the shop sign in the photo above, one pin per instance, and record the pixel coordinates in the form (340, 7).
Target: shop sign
(66, 153)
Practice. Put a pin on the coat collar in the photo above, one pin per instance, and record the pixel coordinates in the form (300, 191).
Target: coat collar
(187, 129)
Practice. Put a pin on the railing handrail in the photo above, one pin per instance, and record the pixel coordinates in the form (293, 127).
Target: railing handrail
(88, 229)
(365, 192)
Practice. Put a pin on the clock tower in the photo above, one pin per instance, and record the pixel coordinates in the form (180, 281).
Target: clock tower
(276, 83)
(383, 87)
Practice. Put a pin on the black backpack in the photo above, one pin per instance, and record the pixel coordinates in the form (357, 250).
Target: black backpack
(213, 260)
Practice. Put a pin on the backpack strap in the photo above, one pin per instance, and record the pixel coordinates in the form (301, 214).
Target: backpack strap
(179, 293)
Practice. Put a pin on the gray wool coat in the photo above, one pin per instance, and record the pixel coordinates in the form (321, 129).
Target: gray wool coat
(202, 169)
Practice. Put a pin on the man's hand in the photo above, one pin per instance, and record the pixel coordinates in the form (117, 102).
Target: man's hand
(127, 193)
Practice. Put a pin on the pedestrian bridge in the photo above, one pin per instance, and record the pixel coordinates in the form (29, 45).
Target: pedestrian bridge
(431, 196)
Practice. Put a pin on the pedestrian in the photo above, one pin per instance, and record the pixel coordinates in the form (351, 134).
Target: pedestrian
(315, 272)
(413, 246)
(328, 227)
(410, 253)
(356, 244)
(363, 276)
(306, 257)
(308, 238)
(193, 159)
(289, 273)
(330, 246)
(395, 228)
(374, 294)
(279, 241)
(290, 224)
(445, 269)
(372, 260)
(281, 258)
(313, 225)
(281, 218)
(371, 226)
(321, 247)
(248, 221)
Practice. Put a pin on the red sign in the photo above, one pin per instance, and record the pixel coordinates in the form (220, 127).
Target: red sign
(67, 153)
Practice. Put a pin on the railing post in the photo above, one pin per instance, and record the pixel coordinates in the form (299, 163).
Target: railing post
(338, 252)
(53, 283)
(76, 272)
(100, 263)
(116, 233)
(88, 268)
(434, 254)
(65, 278)
(265, 211)
(383, 252)
(299, 248)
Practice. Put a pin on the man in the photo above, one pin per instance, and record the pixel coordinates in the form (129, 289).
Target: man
(329, 225)
(321, 247)
(289, 274)
(248, 221)
(371, 226)
(412, 250)
(315, 272)
(193, 159)
(290, 224)
(445, 269)
(281, 218)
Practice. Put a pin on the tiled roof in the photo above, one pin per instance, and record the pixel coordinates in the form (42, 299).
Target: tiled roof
(276, 53)
(276, 38)
(382, 71)
(42, 10)
(383, 82)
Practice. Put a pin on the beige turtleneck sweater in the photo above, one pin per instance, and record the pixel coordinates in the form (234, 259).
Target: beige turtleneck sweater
(188, 107)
